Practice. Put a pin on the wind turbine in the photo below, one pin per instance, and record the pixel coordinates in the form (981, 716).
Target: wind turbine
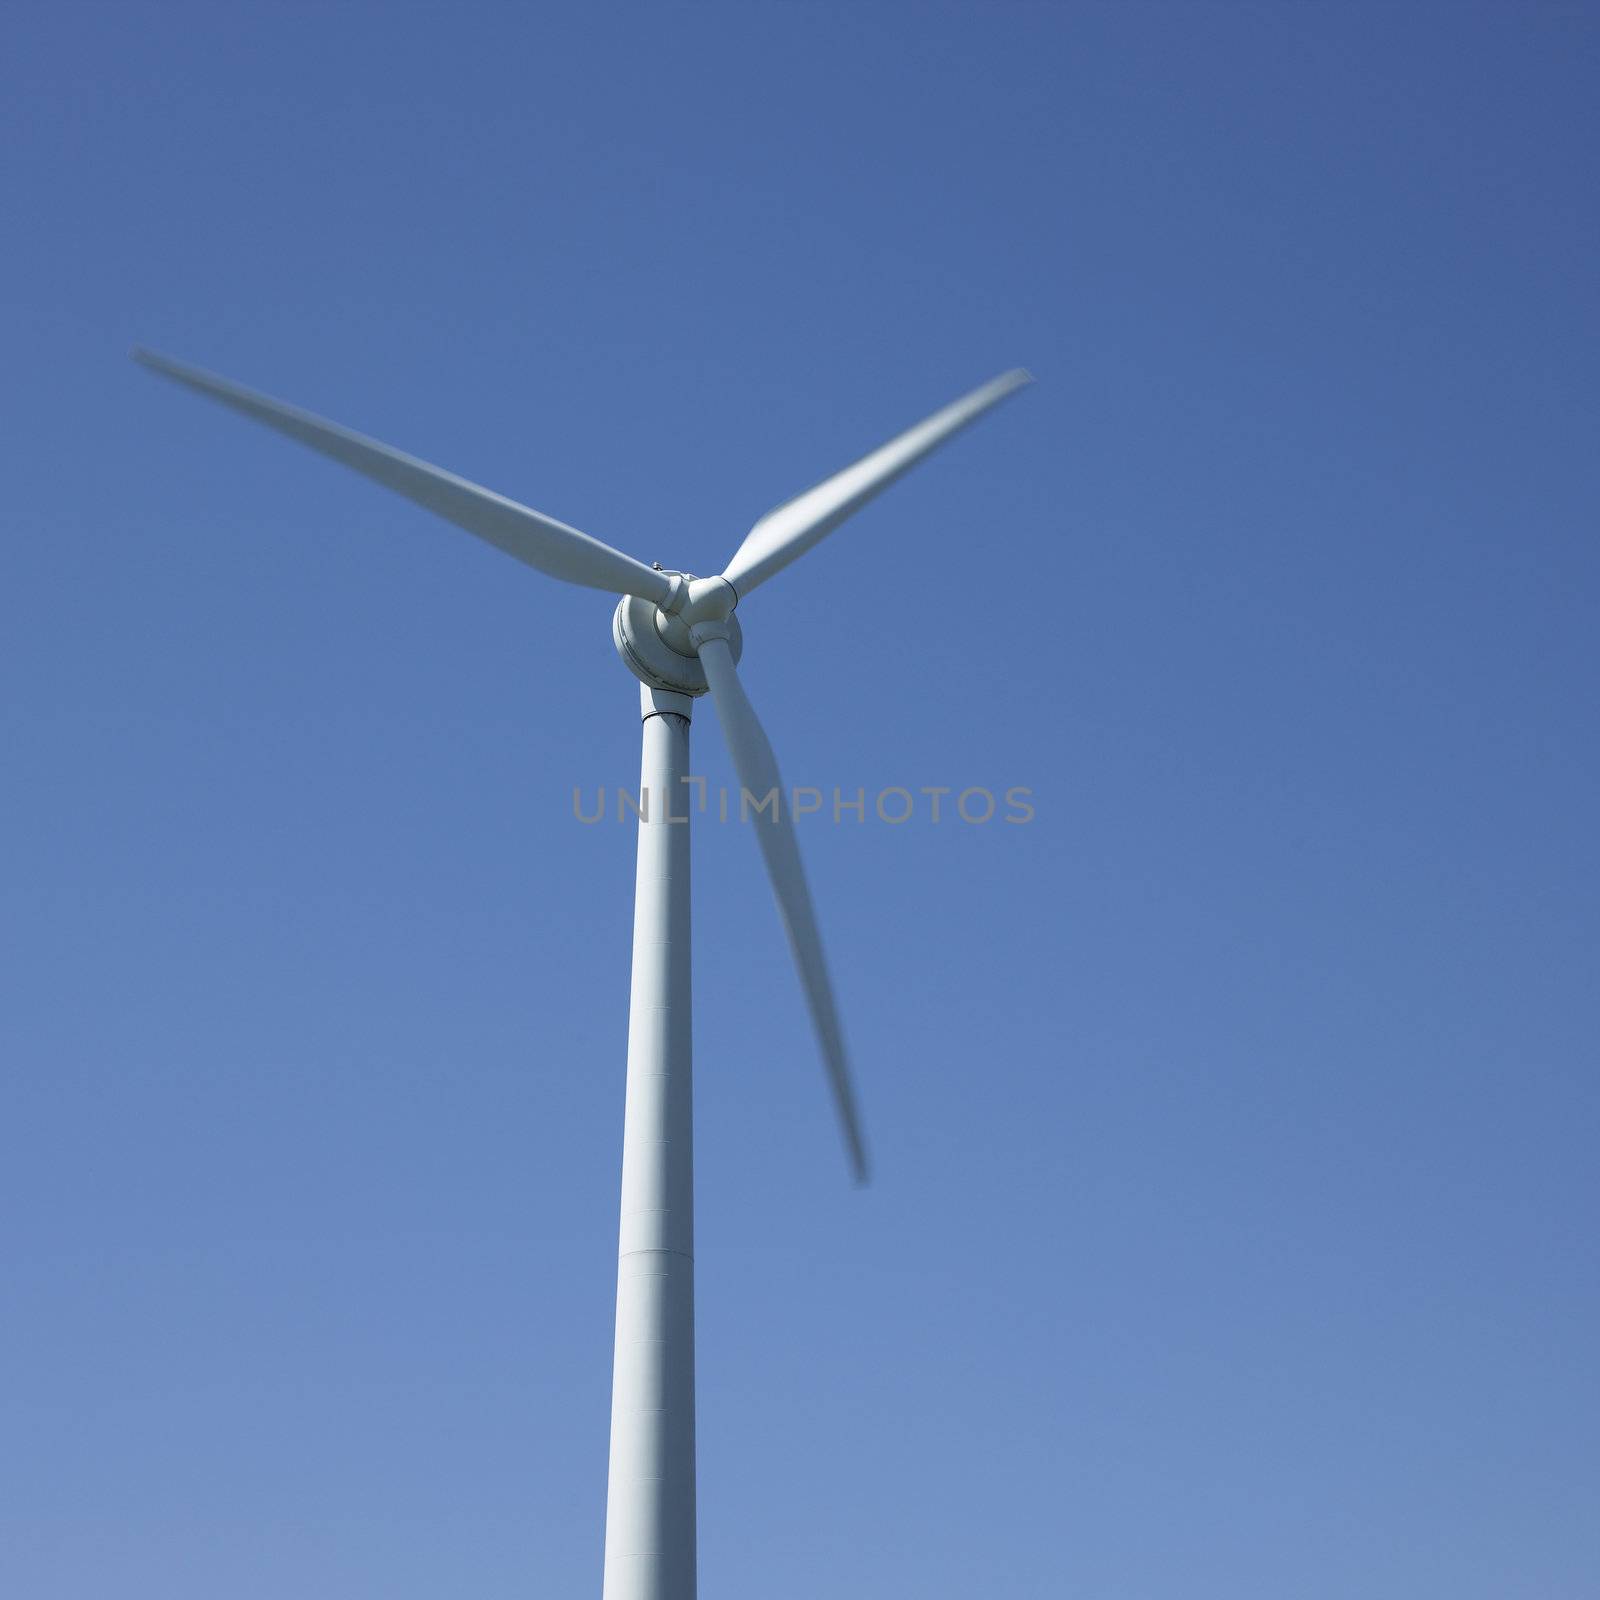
(679, 636)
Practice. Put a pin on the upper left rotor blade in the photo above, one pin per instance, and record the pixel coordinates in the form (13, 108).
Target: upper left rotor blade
(538, 541)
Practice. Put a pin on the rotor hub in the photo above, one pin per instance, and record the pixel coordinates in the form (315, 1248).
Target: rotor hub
(655, 644)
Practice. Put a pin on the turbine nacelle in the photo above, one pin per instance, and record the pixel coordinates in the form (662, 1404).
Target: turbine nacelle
(657, 643)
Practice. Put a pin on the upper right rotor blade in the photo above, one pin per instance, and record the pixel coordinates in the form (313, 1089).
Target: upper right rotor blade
(791, 529)
(757, 768)
(533, 538)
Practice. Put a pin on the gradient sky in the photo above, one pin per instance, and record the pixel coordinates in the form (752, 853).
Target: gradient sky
(1235, 1120)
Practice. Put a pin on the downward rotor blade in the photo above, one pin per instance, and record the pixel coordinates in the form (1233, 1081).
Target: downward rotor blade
(791, 529)
(758, 774)
(533, 538)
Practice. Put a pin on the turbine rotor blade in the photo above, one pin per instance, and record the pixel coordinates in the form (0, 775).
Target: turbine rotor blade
(536, 540)
(788, 531)
(757, 768)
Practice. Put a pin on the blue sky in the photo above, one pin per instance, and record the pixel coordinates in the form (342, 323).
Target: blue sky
(1234, 1120)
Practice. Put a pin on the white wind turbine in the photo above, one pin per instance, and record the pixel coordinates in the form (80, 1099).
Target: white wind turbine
(678, 635)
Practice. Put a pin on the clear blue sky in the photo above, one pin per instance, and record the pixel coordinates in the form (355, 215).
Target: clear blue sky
(1235, 1121)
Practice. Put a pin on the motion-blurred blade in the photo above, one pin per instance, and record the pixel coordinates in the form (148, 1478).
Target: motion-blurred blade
(791, 529)
(757, 767)
(533, 538)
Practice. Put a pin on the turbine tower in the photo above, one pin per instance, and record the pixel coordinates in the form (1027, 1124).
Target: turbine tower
(679, 636)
